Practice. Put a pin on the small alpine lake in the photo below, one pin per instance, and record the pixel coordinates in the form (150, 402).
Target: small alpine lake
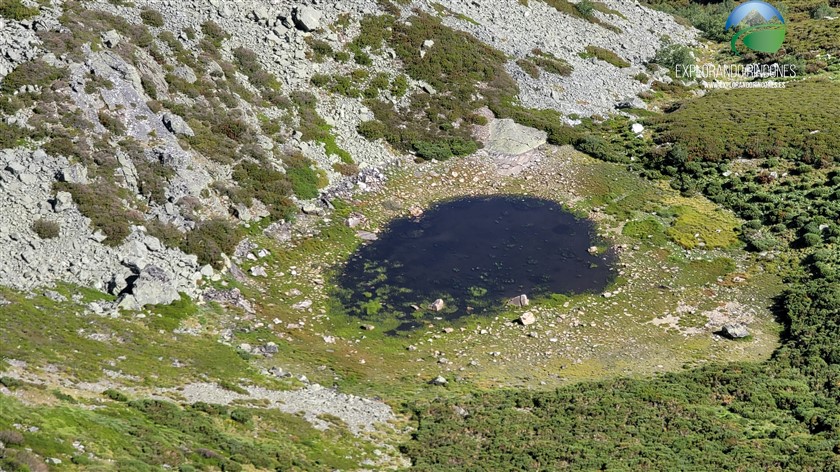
(474, 253)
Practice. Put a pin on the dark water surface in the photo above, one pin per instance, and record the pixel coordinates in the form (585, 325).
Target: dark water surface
(474, 253)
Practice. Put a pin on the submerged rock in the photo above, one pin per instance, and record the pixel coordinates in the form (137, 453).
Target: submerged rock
(367, 235)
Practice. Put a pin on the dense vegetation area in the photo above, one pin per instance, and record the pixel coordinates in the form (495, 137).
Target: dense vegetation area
(812, 42)
(145, 435)
(16, 10)
(434, 125)
(791, 190)
(772, 416)
(769, 155)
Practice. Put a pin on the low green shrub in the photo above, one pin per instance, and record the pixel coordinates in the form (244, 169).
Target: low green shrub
(672, 55)
(16, 10)
(529, 67)
(607, 56)
(11, 136)
(10, 382)
(249, 64)
(152, 18)
(111, 123)
(822, 11)
(262, 182)
(36, 73)
(553, 66)
(320, 49)
(80, 459)
(214, 32)
(210, 408)
(586, 8)
(399, 86)
(304, 179)
(346, 169)
(46, 229)
(115, 395)
(210, 239)
(372, 129)
(167, 233)
(102, 203)
(241, 415)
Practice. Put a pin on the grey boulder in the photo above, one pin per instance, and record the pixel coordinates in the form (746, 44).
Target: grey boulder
(74, 174)
(307, 18)
(510, 138)
(176, 124)
(152, 287)
(735, 330)
(63, 201)
(519, 300)
(111, 38)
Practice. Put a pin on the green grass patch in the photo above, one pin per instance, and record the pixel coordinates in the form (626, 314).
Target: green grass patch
(649, 230)
(584, 9)
(305, 180)
(146, 434)
(716, 229)
(605, 55)
(169, 317)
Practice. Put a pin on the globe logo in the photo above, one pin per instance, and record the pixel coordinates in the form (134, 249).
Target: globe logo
(758, 26)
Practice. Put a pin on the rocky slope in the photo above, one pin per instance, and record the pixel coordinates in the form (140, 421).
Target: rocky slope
(147, 122)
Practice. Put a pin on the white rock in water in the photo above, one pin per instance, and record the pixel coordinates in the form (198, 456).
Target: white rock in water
(367, 236)
(437, 305)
